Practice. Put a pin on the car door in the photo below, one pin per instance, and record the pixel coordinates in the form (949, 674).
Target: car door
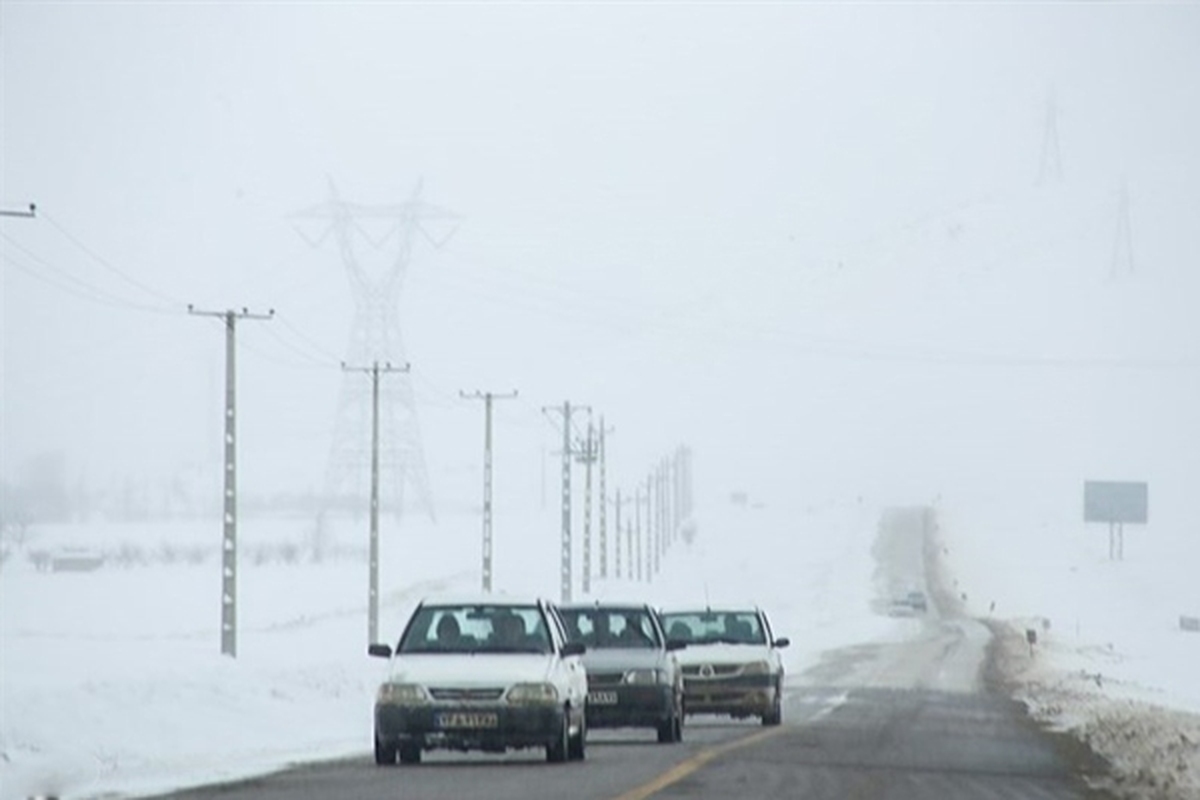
(572, 674)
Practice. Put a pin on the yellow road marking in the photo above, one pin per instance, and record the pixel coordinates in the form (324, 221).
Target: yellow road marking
(685, 768)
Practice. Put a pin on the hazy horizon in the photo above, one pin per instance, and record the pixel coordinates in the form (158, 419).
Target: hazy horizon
(809, 241)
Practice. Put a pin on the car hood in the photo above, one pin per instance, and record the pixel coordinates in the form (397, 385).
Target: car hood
(475, 670)
(723, 653)
(605, 659)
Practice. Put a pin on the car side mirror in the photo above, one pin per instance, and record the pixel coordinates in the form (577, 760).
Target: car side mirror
(676, 644)
(574, 649)
(781, 643)
(379, 650)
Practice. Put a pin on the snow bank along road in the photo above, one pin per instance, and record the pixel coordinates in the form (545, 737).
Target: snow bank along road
(898, 720)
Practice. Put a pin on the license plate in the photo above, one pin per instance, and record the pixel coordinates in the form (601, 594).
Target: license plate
(464, 720)
(602, 698)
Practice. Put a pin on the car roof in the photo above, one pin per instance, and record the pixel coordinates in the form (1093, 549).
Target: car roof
(483, 599)
(714, 610)
(603, 606)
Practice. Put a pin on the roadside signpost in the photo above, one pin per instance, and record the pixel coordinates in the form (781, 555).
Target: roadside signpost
(1118, 503)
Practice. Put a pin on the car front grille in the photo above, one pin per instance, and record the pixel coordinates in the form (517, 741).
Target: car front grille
(711, 671)
(466, 695)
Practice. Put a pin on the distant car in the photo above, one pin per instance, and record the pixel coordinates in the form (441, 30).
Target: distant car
(489, 673)
(634, 677)
(917, 601)
(909, 604)
(732, 664)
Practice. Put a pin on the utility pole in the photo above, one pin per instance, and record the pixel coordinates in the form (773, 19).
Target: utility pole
(373, 566)
(629, 551)
(565, 560)
(1122, 260)
(487, 398)
(653, 521)
(1050, 166)
(30, 214)
(617, 537)
(229, 521)
(603, 509)
(637, 514)
(588, 457)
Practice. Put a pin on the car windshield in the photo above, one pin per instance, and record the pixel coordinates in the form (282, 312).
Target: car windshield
(713, 627)
(476, 629)
(611, 628)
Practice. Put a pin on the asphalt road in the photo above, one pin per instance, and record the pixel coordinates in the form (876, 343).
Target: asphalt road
(908, 720)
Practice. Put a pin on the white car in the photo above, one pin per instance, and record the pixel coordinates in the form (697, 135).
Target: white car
(732, 664)
(489, 673)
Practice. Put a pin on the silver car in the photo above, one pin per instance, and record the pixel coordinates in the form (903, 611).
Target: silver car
(634, 679)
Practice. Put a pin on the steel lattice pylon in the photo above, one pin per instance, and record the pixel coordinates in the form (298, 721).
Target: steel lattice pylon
(375, 337)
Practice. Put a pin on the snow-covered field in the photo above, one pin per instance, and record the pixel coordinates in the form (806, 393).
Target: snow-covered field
(1112, 664)
(113, 685)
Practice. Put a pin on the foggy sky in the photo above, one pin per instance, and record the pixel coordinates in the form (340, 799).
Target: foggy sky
(806, 239)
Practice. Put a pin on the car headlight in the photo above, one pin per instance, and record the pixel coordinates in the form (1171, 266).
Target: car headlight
(757, 668)
(643, 676)
(402, 694)
(533, 694)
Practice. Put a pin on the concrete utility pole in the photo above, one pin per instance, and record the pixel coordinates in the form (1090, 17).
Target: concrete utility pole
(565, 561)
(487, 398)
(629, 550)
(373, 568)
(604, 509)
(1122, 260)
(1050, 166)
(655, 533)
(588, 457)
(229, 522)
(617, 537)
(637, 515)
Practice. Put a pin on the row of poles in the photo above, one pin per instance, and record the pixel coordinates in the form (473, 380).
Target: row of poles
(660, 504)
(665, 495)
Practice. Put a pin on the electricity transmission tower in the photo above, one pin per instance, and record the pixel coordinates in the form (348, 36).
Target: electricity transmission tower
(375, 336)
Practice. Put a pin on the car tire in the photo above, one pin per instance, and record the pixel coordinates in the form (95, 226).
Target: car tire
(577, 744)
(385, 754)
(556, 751)
(670, 730)
(775, 715)
(410, 754)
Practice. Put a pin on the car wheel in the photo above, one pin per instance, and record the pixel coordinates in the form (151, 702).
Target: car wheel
(556, 752)
(775, 715)
(671, 729)
(410, 754)
(385, 754)
(577, 744)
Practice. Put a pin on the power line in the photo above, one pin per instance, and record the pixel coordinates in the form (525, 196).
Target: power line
(76, 286)
(108, 265)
